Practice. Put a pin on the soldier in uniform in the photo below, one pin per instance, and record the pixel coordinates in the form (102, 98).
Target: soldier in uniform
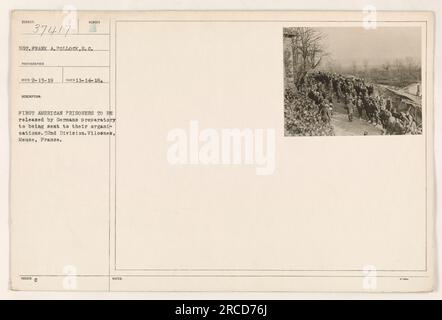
(349, 106)
(370, 90)
(330, 107)
(359, 106)
(339, 92)
(376, 110)
(324, 111)
(388, 105)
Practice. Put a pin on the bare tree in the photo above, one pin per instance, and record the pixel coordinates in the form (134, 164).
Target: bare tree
(386, 66)
(412, 65)
(365, 65)
(354, 68)
(307, 50)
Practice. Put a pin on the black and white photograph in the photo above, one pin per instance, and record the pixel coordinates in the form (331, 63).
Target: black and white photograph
(352, 81)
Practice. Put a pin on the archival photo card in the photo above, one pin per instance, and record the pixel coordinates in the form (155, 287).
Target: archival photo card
(222, 151)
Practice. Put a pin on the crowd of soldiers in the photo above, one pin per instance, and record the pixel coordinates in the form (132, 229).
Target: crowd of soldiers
(325, 88)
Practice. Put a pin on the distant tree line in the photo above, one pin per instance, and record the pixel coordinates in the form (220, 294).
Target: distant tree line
(398, 73)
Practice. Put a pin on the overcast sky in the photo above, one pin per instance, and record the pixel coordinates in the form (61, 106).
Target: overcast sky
(376, 46)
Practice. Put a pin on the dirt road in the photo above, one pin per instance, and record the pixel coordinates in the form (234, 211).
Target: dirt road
(357, 127)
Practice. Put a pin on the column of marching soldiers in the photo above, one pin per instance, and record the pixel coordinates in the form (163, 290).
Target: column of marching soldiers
(324, 88)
